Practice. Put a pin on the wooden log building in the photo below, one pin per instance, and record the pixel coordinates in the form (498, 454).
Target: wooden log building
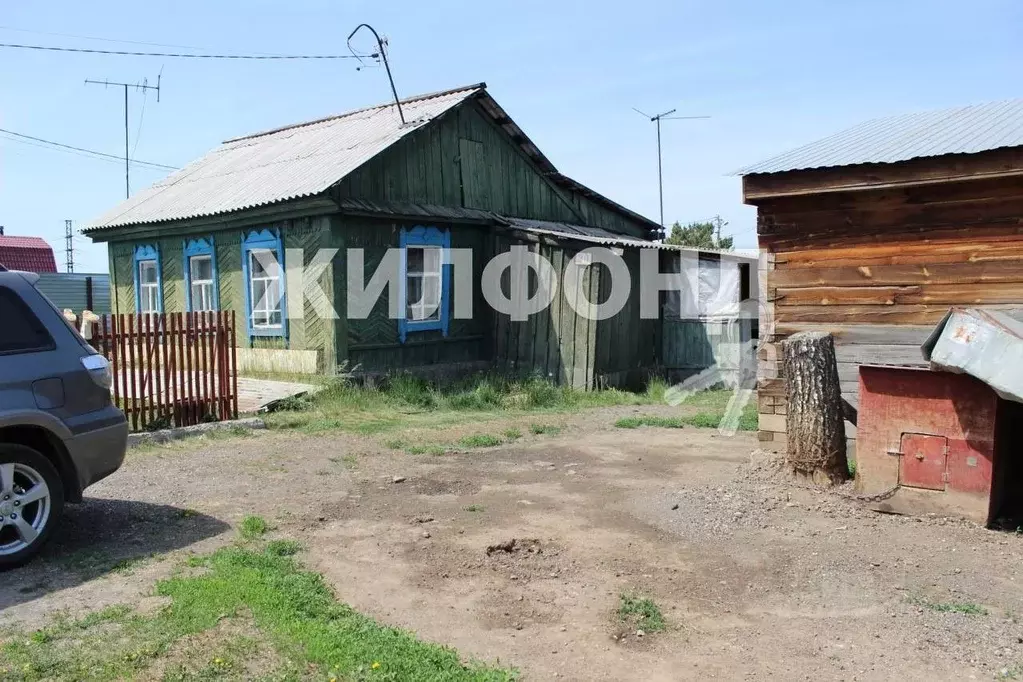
(450, 170)
(873, 233)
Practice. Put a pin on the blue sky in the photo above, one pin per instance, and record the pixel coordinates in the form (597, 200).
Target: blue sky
(772, 75)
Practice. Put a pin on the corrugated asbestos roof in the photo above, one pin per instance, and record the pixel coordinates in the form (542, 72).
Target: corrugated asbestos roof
(598, 235)
(279, 165)
(306, 159)
(962, 130)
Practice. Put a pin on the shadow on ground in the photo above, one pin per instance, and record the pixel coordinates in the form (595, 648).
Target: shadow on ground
(102, 536)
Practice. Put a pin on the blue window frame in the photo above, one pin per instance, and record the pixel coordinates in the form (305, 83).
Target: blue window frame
(201, 283)
(263, 276)
(148, 279)
(425, 284)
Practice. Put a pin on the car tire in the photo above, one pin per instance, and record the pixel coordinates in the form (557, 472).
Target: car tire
(31, 503)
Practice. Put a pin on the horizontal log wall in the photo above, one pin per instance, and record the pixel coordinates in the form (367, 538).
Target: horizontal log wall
(879, 269)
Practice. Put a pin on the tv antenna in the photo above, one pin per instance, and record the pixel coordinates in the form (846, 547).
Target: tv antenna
(141, 87)
(667, 116)
(382, 46)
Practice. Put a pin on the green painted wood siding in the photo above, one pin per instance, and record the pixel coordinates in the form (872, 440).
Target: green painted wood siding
(464, 160)
(309, 332)
(556, 343)
(373, 344)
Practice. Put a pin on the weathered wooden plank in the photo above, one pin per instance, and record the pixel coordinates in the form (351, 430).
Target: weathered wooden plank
(870, 354)
(919, 314)
(945, 294)
(901, 253)
(890, 334)
(829, 296)
(879, 275)
(942, 169)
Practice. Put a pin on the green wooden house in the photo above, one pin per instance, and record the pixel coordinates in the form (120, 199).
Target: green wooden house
(459, 172)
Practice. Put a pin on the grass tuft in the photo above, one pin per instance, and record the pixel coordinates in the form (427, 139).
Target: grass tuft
(640, 612)
(649, 420)
(253, 527)
(283, 548)
(479, 440)
(544, 429)
(512, 434)
(968, 608)
(474, 508)
(435, 450)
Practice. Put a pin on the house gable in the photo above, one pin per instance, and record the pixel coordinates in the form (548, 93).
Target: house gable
(463, 159)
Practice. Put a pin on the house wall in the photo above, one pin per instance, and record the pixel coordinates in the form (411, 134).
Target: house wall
(463, 159)
(878, 268)
(373, 344)
(308, 332)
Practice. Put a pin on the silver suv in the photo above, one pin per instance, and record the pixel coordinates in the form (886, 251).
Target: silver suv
(59, 430)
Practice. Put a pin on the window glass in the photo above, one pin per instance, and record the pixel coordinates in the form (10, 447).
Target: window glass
(422, 283)
(200, 270)
(149, 287)
(23, 332)
(264, 289)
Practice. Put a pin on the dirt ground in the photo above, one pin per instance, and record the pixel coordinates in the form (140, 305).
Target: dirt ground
(757, 576)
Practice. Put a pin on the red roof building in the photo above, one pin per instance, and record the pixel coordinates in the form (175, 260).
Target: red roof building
(29, 254)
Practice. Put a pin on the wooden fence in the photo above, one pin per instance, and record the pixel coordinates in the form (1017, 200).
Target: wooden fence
(171, 369)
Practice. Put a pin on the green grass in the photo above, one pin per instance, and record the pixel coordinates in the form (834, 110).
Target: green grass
(640, 612)
(283, 547)
(293, 623)
(512, 434)
(968, 608)
(404, 401)
(479, 440)
(434, 450)
(748, 420)
(474, 508)
(544, 429)
(253, 527)
(851, 465)
(649, 420)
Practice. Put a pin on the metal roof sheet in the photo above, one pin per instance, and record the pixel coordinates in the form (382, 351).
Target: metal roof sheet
(598, 235)
(961, 130)
(278, 165)
(30, 254)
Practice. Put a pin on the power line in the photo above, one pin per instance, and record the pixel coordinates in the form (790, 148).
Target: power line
(104, 40)
(81, 150)
(184, 55)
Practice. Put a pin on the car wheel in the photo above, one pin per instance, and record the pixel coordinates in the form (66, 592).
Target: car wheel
(31, 503)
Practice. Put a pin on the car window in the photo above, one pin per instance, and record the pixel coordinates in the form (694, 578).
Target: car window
(22, 332)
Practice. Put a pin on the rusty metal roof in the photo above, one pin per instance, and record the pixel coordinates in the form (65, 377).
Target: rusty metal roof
(961, 130)
(278, 165)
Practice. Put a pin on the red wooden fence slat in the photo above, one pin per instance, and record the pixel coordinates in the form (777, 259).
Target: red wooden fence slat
(175, 363)
(234, 365)
(204, 349)
(182, 367)
(132, 396)
(124, 366)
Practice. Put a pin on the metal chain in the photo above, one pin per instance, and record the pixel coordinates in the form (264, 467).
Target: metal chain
(883, 495)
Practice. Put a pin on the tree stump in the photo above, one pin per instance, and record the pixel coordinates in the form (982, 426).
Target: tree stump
(814, 421)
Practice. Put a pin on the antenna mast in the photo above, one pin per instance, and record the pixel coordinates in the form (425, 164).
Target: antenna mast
(142, 87)
(667, 115)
